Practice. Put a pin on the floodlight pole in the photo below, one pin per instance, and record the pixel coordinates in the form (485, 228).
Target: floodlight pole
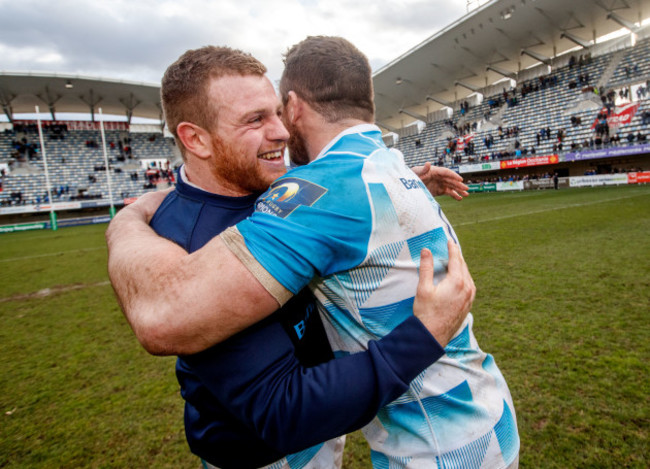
(111, 210)
(53, 224)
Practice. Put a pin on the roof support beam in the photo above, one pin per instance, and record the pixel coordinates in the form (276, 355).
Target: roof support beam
(130, 104)
(622, 21)
(8, 112)
(575, 39)
(536, 56)
(50, 99)
(501, 71)
(161, 117)
(439, 101)
(413, 114)
(466, 85)
(5, 99)
(91, 101)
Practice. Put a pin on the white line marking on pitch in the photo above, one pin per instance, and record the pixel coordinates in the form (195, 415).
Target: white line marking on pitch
(45, 292)
(50, 254)
(534, 212)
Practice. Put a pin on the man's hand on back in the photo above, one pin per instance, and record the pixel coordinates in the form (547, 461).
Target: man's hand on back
(441, 181)
(442, 308)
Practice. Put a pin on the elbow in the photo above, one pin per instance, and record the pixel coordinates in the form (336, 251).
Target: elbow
(158, 335)
(154, 343)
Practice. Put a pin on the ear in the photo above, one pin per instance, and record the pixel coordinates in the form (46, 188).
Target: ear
(294, 107)
(195, 139)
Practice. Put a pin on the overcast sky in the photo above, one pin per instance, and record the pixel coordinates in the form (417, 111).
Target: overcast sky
(137, 39)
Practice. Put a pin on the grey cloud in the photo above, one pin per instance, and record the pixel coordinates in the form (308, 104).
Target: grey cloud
(91, 42)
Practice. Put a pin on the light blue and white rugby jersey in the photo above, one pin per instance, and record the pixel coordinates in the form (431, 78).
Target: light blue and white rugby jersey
(351, 224)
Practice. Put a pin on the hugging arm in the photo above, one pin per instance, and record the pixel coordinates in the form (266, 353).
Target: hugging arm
(179, 303)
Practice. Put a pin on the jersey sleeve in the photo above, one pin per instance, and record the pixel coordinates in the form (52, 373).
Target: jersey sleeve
(292, 407)
(314, 223)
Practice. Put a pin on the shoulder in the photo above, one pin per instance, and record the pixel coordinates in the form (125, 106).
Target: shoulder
(175, 218)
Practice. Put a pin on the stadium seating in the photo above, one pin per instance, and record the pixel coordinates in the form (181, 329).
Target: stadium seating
(551, 106)
(76, 167)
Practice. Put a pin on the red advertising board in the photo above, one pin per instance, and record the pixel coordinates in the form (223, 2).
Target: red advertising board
(532, 161)
(638, 178)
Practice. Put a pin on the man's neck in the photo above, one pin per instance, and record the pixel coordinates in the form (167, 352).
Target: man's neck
(319, 133)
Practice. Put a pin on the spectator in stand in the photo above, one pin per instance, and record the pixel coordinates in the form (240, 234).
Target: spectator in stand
(645, 117)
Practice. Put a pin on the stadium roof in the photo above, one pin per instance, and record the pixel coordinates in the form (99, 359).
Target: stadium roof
(54, 92)
(506, 35)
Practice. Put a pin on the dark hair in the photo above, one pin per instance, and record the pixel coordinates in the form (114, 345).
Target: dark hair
(184, 90)
(332, 76)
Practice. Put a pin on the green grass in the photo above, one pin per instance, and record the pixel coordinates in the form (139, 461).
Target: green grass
(563, 304)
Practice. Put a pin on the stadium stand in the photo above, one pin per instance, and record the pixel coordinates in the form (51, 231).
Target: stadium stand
(567, 99)
(76, 165)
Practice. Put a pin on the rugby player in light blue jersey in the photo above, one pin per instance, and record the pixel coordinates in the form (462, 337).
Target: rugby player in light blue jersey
(350, 224)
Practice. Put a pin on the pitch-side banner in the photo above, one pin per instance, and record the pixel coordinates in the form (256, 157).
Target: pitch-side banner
(598, 180)
(22, 227)
(638, 178)
(487, 187)
(475, 168)
(608, 152)
(532, 161)
(39, 208)
(510, 186)
(546, 183)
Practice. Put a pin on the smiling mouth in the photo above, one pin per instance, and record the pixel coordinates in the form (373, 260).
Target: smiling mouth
(271, 155)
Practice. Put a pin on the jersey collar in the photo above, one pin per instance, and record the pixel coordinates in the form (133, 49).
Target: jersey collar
(356, 129)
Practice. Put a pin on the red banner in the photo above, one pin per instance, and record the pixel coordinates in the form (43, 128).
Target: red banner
(621, 116)
(462, 141)
(638, 178)
(533, 161)
(78, 125)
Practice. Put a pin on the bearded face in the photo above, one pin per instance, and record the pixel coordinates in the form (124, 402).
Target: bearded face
(296, 144)
(233, 167)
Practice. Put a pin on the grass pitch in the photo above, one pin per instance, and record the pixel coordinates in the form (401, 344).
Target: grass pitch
(563, 304)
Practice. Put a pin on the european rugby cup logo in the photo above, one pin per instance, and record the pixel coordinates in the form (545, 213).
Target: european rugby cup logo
(283, 192)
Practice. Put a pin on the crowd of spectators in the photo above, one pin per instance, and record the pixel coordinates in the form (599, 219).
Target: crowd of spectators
(579, 61)
(605, 170)
(157, 173)
(24, 150)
